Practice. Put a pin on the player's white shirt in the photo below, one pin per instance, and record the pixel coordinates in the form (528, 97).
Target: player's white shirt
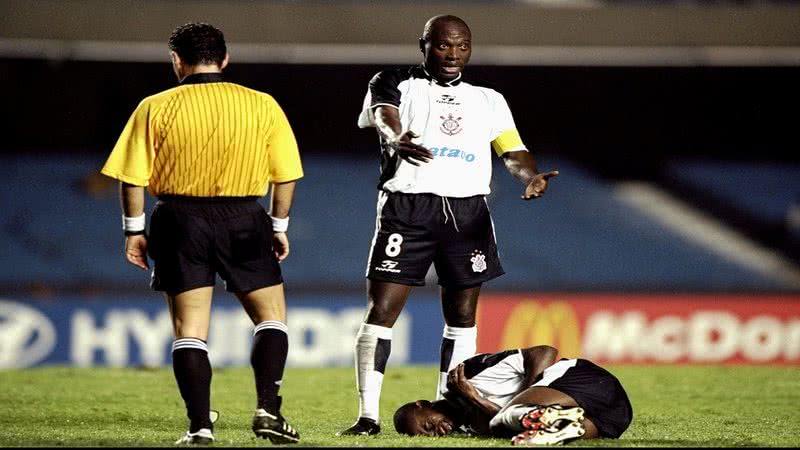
(498, 377)
(500, 382)
(456, 121)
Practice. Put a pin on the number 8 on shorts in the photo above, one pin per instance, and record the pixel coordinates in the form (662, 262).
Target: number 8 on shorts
(393, 247)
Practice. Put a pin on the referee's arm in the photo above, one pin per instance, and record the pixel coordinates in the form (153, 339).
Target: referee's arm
(132, 201)
(280, 204)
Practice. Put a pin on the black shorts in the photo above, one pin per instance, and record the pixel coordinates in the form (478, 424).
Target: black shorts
(415, 230)
(600, 394)
(194, 238)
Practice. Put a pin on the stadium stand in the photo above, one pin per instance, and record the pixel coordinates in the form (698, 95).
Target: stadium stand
(762, 197)
(61, 230)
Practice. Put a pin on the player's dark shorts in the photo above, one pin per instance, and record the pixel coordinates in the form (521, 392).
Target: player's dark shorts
(415, 230)
(600, 394)
(194, 238)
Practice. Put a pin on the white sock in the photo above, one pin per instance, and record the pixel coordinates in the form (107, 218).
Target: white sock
(506, 421)
(373, 345)
(458, 344)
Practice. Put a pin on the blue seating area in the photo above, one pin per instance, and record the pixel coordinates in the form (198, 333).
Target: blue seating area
(61, 227)
(765, 191)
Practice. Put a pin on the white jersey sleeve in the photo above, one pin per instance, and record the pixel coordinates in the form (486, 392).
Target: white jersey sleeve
(504, 134)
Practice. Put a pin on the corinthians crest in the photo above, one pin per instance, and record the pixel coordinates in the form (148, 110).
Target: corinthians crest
(450, 125)
(478, 261)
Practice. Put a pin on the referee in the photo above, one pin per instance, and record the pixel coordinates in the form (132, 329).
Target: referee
(208, 150)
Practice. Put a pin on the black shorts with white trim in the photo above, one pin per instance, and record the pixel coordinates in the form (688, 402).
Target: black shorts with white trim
(415, 230)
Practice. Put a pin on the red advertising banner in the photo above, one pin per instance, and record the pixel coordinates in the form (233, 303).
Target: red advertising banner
(646, 328)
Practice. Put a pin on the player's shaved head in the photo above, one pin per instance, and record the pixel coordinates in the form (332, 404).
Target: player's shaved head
(442, 21)
(425, 418)
(446, 44)
(405, 419)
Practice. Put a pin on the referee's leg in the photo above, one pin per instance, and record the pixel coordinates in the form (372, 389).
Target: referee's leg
(267, 309)
(191, 312)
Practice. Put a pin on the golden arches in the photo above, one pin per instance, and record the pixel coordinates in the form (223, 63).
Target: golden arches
(532, 323)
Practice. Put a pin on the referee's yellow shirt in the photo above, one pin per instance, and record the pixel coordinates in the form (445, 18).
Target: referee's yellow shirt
(206, 138)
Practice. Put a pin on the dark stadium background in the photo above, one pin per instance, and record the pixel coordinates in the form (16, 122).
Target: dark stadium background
(699, 103)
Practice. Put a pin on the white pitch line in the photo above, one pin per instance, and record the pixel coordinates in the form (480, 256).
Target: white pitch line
(707, 232)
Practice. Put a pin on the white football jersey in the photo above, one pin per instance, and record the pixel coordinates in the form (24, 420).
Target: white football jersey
(457, 121)
(497, 377)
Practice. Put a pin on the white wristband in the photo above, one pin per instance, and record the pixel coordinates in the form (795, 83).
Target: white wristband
(133, 223)
(279, 225)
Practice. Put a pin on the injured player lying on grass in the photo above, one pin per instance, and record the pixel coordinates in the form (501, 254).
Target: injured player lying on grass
(526, 395)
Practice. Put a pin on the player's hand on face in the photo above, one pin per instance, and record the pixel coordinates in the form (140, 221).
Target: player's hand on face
(136, 251)
(538, 185)
(410, 152)
(280, 243)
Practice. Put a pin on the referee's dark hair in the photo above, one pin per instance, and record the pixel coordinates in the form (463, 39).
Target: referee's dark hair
(198, 43)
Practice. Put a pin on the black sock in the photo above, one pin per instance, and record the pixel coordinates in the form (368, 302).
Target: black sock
(193, 374)
(270, 347)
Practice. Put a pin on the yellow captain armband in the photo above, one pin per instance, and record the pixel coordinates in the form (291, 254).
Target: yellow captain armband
(508, 140)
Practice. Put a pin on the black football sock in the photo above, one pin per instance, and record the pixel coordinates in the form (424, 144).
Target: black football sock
(193, 374)
(268, 357)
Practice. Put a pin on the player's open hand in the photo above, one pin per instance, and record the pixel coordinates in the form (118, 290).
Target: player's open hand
(410, 152)
(280, 243)
(136, 251)
(538, 185)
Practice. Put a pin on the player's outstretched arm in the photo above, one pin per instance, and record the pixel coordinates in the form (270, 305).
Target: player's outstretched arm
(387, 122)
(522, 166)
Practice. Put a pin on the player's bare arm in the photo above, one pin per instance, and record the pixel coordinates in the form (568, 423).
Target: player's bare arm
(280, 204)
(482, 410)
(387, 122)
(132, 200)
(536, 359)
(522, 166)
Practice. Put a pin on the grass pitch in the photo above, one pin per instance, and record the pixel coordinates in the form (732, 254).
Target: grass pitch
(674, 406)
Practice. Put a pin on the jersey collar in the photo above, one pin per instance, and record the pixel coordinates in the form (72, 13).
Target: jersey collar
(422, 72)
(198, 78)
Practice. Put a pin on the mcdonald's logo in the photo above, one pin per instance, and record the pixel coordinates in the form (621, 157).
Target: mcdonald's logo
(533, 323)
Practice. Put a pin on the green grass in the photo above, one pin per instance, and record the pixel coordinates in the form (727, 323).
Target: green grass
(674, 406)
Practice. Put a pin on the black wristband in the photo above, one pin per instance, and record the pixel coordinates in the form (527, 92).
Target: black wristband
(134, 233)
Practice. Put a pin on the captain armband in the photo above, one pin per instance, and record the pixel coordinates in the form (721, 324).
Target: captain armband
(508, 141)
(133, 225)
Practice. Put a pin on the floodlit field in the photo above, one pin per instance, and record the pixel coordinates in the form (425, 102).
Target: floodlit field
(674, 406)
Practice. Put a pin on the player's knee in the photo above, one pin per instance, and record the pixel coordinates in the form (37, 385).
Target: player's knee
(383, 314)
(460, 317)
